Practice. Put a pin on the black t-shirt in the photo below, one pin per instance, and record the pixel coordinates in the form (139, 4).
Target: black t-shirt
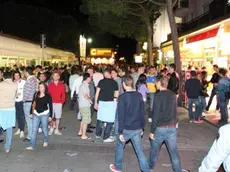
(107, 86)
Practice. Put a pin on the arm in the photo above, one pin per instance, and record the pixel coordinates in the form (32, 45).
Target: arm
(50, 104)
(142, 109)
(116, 94)
(73, 89)
(96, 97)
(155, 114)
(121, 115)
(34, 99)
(63, 95)
(219, 151)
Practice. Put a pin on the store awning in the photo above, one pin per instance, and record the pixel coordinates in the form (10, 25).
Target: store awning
(202, 36)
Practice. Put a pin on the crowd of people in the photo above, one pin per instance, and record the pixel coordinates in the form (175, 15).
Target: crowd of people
(119, 99)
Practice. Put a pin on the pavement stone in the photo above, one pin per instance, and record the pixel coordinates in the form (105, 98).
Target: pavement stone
(69, 152)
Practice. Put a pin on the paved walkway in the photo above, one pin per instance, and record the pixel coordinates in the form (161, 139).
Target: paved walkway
(71, 153)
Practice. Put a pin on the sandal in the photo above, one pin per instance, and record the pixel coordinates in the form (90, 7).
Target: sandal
(87, 138)
(79, 135)
(29, 148)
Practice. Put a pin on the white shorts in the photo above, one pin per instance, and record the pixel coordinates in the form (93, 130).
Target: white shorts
(57, 110)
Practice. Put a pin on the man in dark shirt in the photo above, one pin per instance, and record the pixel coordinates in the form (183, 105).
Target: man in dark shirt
(193, 89)
(173, 84)
(131, 119)
(106, 93)
(163, 128)
(214, 80)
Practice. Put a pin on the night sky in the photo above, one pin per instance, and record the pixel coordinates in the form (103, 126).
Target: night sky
(71, 7)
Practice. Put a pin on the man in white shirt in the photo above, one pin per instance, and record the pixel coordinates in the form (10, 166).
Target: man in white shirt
(219, 152)
(97, 76)
(75, 89)
(19, 104)
(73, 77)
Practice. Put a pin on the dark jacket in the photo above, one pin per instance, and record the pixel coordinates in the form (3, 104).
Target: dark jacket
(131, 111)
(193, 88)
(164, 109)
(215, 79)
(173, 84)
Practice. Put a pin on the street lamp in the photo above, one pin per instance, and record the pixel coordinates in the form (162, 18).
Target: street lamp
(90, 40)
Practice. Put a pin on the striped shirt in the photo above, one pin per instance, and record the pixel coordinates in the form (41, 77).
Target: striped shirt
(30, 88)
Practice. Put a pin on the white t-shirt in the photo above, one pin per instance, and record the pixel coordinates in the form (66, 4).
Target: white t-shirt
(76, 85)
(97, 77)
(19, 96)
(83, 90)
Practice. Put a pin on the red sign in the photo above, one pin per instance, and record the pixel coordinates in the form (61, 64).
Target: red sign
(202, 36)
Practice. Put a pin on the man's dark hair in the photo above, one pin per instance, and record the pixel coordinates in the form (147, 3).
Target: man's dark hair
(193, 73)
(39, 66)
(86, 76)
(173, 66)
(29, 69)
(7, 75)
(74, 70)
(215, 66)
(107, 70)
(90, 67)
(164, 80)
(114, 70)
(223, 71)
(128, 80)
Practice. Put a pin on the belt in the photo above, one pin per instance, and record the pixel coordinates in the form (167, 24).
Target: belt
(168, 126)
(28, 101)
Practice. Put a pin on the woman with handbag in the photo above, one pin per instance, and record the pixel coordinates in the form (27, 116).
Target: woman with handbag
(41, 112)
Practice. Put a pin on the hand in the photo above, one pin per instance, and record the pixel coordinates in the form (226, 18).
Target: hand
(96, 106)
(121, 137)
(90, 101)
(31, 116)
(50, 119)
(151, 136)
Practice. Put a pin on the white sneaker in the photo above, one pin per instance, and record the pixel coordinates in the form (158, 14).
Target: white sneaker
(40, 130)
(45, 144)
(109, 140)
(51, 131)
(7, 150)
(17, 132)
(98, 137)
(57, 132)
(150, 119)
(22, 135)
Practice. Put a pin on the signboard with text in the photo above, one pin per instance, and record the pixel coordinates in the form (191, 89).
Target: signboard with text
(101, 52)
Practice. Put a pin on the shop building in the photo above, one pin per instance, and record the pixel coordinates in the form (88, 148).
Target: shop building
(14, 50)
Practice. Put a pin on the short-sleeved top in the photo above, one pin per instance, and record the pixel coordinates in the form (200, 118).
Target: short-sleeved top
(108, 87)
(83, 89)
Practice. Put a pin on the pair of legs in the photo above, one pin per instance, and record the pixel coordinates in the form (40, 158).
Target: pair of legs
(223, 103)
(213, 93)
(150, 103)
(194, 116)
(135, 137)
(57, 110)
(203, 104)
(27, 107)
(86, 119)
(108, 129)
(43, 119)
(9, 136)
(169, 136)
(20, 115)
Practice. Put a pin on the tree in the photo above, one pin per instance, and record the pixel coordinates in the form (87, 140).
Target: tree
(124, 18)
(169, 5)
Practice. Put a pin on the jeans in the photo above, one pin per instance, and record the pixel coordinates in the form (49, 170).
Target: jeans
(213, 93)
(150, 103)
(20, 115)
(135, 137)
(223, 103)
(202, 104)
(116, 124)
(43, 119)
(27, 107)
(9, 136)
(169, 136)
(197, 113)
(107, 131)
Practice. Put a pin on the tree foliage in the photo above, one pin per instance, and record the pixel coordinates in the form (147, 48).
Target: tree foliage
(29, 22)
(122, 17)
